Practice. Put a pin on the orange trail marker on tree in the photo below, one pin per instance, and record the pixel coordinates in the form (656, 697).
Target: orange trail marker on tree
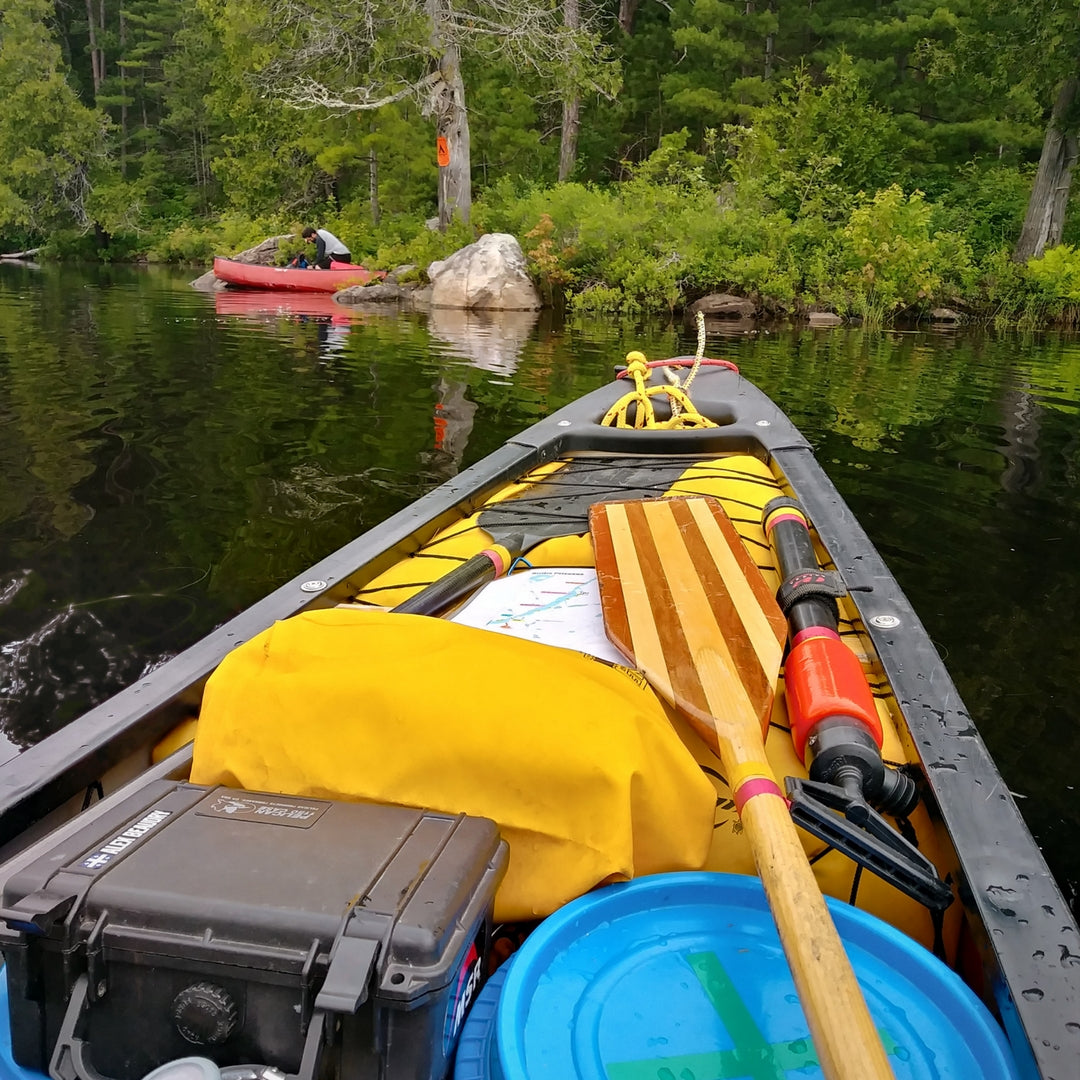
(683, 600)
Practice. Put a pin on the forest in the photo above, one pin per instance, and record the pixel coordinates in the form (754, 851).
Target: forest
(875, 159)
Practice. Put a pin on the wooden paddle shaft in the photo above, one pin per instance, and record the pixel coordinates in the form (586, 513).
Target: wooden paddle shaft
(845, 1038)
(683, 600)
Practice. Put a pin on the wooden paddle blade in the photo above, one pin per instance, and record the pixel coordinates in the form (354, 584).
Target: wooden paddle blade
(683, 600)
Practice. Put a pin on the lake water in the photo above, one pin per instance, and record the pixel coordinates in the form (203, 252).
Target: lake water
(168, 456)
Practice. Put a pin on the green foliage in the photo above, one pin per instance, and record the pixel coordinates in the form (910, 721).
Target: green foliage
(814, 146)
(195, 242)
(986, 203)
(48, 139)
(892, 259)
(760, 149)
(425, 247)
(672, 163)
(1055, 278)
(724, 45)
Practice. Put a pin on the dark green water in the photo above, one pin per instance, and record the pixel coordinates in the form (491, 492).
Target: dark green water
(167, 457)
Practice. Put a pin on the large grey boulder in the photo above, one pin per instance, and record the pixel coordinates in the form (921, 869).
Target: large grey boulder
(490, 275)
(263, 254)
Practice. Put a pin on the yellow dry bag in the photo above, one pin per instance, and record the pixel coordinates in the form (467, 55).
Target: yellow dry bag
(575, 759)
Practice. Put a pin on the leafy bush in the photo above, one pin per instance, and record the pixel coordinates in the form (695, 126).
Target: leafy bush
(188, 244)
(986, 204)
(1056, 276)
(816, 145)
(892, 259)
(425, 247)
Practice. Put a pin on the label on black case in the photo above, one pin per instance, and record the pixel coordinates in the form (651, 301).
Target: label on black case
(100, 857)
(267, 809)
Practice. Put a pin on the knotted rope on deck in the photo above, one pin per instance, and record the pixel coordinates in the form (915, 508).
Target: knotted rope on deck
(635, 409)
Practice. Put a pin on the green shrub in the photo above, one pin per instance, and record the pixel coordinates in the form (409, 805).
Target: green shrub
(893, 261)
(188, 243)
(425, 247)
(986, 205)
(598, 300)
(1055, 277)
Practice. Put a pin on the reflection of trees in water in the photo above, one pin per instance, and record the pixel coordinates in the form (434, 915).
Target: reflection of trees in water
(1020, 413)
(453, 423)
(310, 493)
(332, 337)
(491, 341)
(56, 663)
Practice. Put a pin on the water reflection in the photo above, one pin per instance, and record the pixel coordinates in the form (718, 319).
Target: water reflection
(490, 340)
(267, 306)
(453, 422)
(246, 435)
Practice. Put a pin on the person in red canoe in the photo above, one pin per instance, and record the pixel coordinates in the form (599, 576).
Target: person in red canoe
(327, 247)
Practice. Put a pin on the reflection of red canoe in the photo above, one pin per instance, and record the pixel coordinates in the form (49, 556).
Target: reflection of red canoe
(339, 276)
(259, 304)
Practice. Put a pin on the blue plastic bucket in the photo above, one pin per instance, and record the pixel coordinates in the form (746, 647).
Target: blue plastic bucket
(683, 975)
(477, 1057)
(8, 1069)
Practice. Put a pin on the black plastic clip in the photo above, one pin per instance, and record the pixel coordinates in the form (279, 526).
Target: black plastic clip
(804, 584)
(851, 826)
(38, 912)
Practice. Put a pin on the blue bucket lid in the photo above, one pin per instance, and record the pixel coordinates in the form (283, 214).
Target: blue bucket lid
(685, 973)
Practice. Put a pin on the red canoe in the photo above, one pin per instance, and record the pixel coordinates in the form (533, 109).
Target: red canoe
(339, 276)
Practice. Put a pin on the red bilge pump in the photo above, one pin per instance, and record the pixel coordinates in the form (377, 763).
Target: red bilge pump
(835, 725)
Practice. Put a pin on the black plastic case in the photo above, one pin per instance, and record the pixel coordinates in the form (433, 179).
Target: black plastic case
(326, 939)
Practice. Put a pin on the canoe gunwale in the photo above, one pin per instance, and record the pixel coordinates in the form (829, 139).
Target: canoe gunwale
(988, 840)
(991, 841)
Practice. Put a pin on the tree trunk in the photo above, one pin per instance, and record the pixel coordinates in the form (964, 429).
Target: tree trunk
(452, 123)
(96, 59)
(1045, 218)
(373, 180)
(123, 103)
(571, 120)
(627, 11)
(770, 49)
(571, 123)
(447, 105)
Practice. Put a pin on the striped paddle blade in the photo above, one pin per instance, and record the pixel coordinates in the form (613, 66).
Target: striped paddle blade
(683, 600)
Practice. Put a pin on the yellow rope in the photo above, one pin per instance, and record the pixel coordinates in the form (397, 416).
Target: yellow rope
(683, 413)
